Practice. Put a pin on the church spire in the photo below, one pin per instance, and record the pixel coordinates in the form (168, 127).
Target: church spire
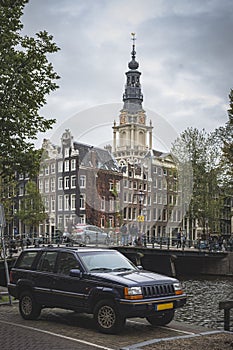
(132, 96)
(133, 64)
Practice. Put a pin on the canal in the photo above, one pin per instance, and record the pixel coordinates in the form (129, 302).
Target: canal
(204, 295)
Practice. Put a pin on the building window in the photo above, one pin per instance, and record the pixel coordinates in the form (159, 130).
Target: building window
(60, 183)
(82, 219)
(159, 184)
(73, 202)
(60, 202)
(73, 181)
(67, 152)
(46, 170)
(111, 186)
(135, 185)
(111, 204)
(60, 166)
(102, 204)
(52, 184)
(82, 181)
(134, 213)
(52, 199)
(130, 198)
(46, 203)
(159, 199)
(102, 221)
(154, 214)
(60, 221)
(111, 221)
(52, 168)
(82, 201)
(67, 182)
(118, 186)
(46, 185)
(164, 214)
(67, 165)
(73, 164)
(40, 186)
(125, 183)
(66, 202)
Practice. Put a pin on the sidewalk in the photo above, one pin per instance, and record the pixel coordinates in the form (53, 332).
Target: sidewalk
(215, 340)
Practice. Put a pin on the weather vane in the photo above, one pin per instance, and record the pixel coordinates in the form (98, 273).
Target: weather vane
(133, 37)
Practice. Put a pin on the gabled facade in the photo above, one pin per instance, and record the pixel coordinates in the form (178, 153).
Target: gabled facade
(79, 184)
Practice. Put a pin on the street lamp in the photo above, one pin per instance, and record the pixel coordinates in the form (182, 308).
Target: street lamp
(140, 195)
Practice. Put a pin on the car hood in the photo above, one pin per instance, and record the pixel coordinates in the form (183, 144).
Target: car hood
(130, 278)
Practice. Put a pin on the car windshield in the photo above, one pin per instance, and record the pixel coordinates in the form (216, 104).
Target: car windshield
(106, 261)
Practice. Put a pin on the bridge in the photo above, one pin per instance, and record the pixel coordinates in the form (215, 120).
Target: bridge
(178, 262)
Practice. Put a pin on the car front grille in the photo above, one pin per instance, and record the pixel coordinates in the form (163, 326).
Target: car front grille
(158, 290)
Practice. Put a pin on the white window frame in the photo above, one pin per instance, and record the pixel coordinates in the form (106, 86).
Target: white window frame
(73, 202)
(67, 165)
(82, 181)
(66, 202)
(60, 183)
(82, 201)
(60, 166)
(73, 181)
(60, 202)
(66, 182)
(73, 164)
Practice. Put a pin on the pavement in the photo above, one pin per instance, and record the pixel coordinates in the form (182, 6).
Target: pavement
(62, 329)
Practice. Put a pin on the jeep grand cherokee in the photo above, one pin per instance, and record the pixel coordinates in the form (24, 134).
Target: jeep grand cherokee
(101, 282)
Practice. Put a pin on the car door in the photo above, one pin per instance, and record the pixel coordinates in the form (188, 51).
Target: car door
(69, 291)
(43, 278)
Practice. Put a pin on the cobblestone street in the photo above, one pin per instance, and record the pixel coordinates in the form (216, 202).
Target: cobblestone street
(59, 329)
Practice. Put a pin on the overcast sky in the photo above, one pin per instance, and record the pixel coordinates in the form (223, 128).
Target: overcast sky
(184, 49)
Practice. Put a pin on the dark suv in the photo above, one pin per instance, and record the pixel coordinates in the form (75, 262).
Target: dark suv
(101, 282)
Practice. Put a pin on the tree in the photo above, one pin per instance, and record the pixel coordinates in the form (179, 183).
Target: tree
(26, 77)
(225, 135)
(201, 151)
(32, 210)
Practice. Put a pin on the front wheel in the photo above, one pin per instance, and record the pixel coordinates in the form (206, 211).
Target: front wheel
(162, 318)
(107, 318)
(28, 307)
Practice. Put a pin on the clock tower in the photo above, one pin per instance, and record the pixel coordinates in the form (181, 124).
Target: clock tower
(132, 137)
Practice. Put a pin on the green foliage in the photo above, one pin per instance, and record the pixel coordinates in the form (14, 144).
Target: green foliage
(26, 77)
(202, 153)
(32, 210)
(225, 136)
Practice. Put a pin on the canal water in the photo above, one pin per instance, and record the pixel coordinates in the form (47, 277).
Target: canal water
(204, 295)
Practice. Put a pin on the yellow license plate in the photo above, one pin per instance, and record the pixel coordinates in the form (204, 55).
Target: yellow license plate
(164, 306)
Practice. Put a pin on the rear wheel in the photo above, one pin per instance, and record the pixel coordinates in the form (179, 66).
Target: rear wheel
(28, 307)
(107, 318)
(162, 318)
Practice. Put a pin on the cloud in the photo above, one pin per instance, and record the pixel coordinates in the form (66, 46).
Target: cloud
(184, 49)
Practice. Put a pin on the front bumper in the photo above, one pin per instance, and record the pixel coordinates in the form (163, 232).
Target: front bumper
(147, 307)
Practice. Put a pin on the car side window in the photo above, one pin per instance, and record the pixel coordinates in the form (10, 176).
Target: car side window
(66, 262)
(47, 261)
(26, 260)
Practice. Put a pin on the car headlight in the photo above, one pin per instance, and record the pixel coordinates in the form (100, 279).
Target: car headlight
(178, 288)
(133, 293)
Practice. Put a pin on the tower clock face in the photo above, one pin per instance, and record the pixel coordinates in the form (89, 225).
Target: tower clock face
(142, 120)
(122, 119)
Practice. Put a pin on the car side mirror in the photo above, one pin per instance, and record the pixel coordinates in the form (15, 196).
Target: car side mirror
(76, 273)
(140, 267)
